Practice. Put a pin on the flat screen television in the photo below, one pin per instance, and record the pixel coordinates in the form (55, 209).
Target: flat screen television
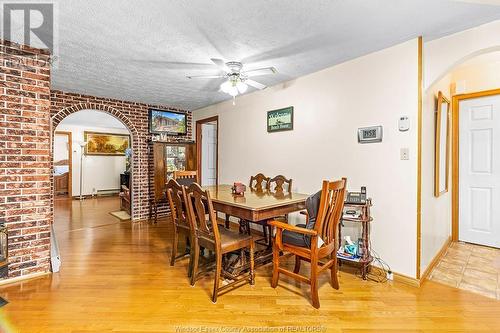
(167, 122)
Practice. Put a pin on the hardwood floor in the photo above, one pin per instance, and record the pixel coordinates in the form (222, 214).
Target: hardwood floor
(115, 277)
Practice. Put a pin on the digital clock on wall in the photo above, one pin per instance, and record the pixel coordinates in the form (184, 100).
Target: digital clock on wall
(370, 134)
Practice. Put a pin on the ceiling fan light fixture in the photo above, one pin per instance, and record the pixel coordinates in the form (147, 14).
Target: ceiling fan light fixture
(242, 87)
(225, 86)
(233, 91)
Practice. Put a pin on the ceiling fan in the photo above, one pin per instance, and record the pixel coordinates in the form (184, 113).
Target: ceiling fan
(237, 80)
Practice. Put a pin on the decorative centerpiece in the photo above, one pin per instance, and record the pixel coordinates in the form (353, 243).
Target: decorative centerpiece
(238, 188)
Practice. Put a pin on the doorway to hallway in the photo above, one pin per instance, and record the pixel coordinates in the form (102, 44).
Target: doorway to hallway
(207, 150)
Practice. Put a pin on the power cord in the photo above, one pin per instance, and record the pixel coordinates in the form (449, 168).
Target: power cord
(377, 275)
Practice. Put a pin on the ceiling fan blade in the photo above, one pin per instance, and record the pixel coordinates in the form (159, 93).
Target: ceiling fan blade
(260, 71)
(172, 65)
(255, 84)
(205, 76)
(221, 64)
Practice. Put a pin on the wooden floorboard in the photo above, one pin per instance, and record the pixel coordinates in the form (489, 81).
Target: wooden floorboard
(116, 277)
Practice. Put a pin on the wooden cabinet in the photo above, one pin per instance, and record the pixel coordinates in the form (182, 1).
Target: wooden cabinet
(167, 158)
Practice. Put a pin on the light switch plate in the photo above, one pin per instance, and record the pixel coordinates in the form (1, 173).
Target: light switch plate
(405, 154)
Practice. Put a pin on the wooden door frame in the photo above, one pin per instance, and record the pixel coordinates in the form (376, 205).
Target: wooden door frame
(455, 154)
(70, 160)
(199, 123)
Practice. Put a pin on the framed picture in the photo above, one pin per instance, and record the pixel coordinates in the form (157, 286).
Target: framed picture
(167, 122)
(107, 144)
(280, 120)
(442, 146)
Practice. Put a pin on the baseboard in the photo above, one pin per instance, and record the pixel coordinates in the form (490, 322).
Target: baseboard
(23, 278)
(435, 260)
(399, 278)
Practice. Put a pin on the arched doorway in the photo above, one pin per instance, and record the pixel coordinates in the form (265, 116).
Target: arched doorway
(462, 79)
(135, 168)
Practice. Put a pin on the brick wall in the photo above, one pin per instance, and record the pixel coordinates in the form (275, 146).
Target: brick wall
(135, 117)
(30, 112)
(25, 164)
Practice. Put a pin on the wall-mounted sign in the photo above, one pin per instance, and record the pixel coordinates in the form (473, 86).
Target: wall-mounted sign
(280, 120)
(370, 134)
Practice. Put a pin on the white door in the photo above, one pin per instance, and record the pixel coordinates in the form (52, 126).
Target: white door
(208, 154)
(479, 202)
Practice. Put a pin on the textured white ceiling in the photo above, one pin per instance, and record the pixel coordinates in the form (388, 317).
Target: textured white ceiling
(143, 50)
(92, 118)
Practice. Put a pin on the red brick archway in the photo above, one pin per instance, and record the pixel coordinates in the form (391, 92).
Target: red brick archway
(135, 167)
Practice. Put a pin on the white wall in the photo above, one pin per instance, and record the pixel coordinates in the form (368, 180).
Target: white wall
(442, 55)
(478, 74)
(99, 172)
(329, 106)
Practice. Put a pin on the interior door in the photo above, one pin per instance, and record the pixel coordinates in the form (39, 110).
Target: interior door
(479, 170)
(209, 154)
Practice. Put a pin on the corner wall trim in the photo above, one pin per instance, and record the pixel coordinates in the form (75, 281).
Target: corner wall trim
(419, 155)
(23, 278)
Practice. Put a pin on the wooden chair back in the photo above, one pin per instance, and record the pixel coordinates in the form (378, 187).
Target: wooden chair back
(176, 196)
(185, 174)
(199, 206)
(330, 210)
(280, 185)
(259, 182)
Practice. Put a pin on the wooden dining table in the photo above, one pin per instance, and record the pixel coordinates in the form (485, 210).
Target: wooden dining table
(254, 206)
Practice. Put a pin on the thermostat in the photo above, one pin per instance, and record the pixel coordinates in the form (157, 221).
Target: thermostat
(404, 123)
(370, 134)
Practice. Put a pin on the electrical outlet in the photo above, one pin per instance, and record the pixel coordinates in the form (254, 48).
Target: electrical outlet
(390, 276)
(405, 154)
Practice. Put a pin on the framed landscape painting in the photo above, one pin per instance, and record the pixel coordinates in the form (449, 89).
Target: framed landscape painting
(106, 144)
(280, 120)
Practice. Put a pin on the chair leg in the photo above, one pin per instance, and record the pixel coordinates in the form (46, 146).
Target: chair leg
(175, 242)
(218, 270)
(334, 273)
(296, 269)
(252, 271)
(264, 231)
(314, 282)
(196, 257)
(276, 265)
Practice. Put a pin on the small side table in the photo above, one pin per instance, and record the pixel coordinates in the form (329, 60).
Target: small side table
(364, 219)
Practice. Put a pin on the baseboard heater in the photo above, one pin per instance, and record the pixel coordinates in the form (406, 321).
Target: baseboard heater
(109, 192)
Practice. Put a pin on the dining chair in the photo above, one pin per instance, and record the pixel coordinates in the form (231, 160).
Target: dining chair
(280, 185)
(259, 182)
(219, 240)
(176, 196)
(313, 241)
(186, 178)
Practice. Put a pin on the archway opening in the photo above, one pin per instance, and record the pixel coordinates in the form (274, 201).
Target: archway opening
(474, 76)
(92, 158)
